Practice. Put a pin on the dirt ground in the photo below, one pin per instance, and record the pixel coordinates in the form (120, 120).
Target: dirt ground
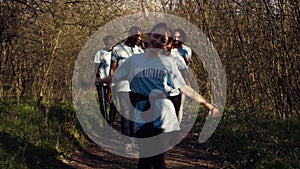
(188, 154)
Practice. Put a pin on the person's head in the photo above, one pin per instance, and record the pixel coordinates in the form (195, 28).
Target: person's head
(109, 41)
(169, 45)
(143, 44)
(134, 36)
(160, 36)
(179, 37)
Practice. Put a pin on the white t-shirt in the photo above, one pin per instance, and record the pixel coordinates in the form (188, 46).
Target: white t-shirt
(146, 75)
(184, 51)
(179, 61)
(103, 57)
(119, 54)
(181, 65)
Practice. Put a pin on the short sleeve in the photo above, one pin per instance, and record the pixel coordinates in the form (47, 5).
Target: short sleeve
(189, 52)
(179, 62)
(123, 71)
(114, 55)
(176, 77)
(97, 57)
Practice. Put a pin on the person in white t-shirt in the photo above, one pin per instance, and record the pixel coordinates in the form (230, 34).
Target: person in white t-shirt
(176, 97)
(152, 78)
(120, 53)
(179, 48)
(183, 51)
(102, 62)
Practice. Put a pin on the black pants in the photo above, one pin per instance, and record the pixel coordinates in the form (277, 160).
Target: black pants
(176, 100)
(127, 113)
(102, 95)
(151, 145)
(145, 147)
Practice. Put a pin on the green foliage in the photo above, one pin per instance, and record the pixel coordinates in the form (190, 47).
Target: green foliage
(35, 137)
(257, 42)
(260, 142)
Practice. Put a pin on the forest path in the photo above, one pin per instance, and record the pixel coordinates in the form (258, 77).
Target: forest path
(188, 154)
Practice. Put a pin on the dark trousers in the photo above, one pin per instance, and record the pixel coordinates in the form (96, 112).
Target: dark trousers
(150, 148)
(176, 100)
(102, 95)
(112, 113)
(145, 147)
(126, 111)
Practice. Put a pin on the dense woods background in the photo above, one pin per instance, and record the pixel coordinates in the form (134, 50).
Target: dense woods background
(257, 40)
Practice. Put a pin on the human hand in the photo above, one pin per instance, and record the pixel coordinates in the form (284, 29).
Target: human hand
(214, 112)
(98, 82)
(109, 96)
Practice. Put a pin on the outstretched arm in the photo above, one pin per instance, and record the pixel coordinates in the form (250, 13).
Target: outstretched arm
(191, 93)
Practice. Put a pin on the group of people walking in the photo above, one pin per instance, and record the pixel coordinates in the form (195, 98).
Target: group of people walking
(152, 77)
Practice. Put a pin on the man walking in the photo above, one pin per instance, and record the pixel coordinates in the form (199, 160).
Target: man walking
(102, 65)
(119, 54)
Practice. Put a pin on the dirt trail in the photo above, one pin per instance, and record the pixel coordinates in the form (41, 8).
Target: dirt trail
(188, 154)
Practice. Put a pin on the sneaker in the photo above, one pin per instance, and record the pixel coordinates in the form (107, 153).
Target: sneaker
(111, 124)
(134, 145)
(128, 148)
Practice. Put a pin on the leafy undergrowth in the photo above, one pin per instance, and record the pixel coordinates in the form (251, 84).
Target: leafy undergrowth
(260, 142)
(37, 137)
